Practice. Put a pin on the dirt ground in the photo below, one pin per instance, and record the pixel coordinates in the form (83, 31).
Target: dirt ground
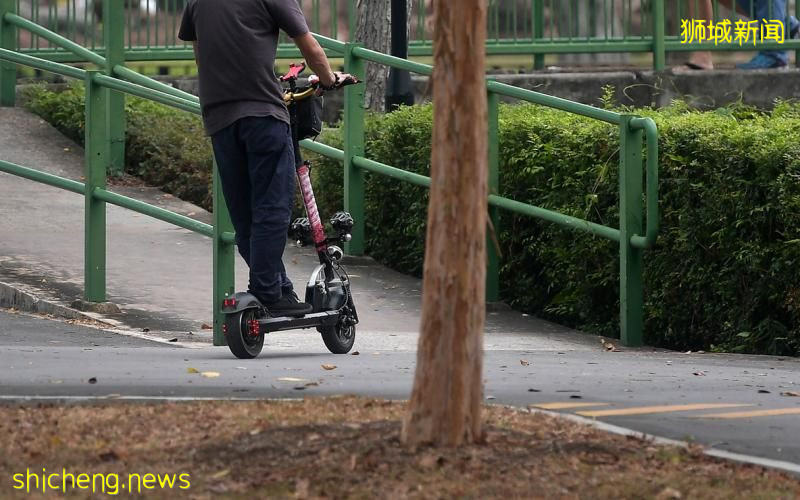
(344, 447)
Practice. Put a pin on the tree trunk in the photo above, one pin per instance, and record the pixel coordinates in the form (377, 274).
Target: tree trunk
(446, 400)
(373, 30)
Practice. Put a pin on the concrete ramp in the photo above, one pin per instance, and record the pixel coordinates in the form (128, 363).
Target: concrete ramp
(160, 275)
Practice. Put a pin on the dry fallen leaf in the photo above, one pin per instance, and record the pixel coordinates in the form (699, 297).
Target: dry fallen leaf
(791, 394)
(192, 370)
(206, 326)
(699, 374)
(220, 474)
(524, 362)
(302, 488)
(608, 346)
(329, 367)
(669, 494)
(210, 374)
(431, 461)
(356, 353)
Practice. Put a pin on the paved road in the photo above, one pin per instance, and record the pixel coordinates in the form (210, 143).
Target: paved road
(160, 277)
(45, 358)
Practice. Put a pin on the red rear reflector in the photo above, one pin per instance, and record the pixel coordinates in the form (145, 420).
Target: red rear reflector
(229, 303)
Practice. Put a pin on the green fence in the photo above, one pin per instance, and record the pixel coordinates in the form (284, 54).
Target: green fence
(516, 27)
(639, 219)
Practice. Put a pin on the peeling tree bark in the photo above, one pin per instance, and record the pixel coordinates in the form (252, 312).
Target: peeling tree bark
(373, 30)
(448, 389)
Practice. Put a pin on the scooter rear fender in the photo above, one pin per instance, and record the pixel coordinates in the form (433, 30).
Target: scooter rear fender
(240, 301)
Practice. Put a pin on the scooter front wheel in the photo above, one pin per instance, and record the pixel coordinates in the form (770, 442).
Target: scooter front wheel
(242, 333)
(338, 339)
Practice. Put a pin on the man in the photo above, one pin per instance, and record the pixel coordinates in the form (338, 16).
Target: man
(235, 43)
(758, 10)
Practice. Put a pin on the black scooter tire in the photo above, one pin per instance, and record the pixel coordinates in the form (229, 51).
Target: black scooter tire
(338, 339)
(240, 342)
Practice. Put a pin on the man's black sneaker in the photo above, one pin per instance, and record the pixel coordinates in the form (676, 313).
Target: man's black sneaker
(291, 296)
(288, 305)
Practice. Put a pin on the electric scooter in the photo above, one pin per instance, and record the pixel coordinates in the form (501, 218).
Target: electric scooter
(334, 315)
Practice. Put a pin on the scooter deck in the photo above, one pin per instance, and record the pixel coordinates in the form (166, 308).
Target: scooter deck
(280, 323)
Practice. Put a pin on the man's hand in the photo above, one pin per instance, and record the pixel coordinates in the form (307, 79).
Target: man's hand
(316, 59)
(340, 80)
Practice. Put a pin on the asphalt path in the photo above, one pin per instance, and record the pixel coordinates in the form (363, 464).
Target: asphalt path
(675, 395)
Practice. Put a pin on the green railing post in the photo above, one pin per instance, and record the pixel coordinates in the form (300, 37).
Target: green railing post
(114, 40)
(96, 148)
(224, 255)
(659, 25)
(538, 31)
(8, 41)
(354, 146)
(631, 280)
(352, 18)
(493, 259)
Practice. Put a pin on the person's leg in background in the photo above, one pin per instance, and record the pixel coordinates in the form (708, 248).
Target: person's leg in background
(700, 9)
(769, 10)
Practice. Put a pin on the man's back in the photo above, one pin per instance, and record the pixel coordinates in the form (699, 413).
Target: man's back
(236, 45)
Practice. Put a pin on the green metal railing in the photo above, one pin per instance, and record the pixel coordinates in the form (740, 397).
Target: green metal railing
(104, 146)
(633, 235)
(516, 27)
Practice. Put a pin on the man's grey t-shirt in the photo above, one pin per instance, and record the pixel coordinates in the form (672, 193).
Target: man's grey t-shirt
(236, 45)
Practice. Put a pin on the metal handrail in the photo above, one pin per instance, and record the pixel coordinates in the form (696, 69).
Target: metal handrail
(534, 28)
(632, 235)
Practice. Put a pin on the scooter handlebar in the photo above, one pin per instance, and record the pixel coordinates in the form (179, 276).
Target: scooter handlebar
(342, 80)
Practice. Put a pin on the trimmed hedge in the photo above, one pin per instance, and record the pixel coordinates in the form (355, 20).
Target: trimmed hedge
(725, 274)
(164, 147)
(726, 271)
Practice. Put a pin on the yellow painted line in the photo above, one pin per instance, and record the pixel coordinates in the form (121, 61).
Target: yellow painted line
(644, 410)
(566, 406)
(752, 414)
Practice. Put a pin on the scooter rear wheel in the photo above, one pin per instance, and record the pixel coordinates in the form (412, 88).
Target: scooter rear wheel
(338, 339)
(242, 344)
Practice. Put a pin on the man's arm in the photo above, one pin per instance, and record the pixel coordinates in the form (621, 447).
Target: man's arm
(316, 59)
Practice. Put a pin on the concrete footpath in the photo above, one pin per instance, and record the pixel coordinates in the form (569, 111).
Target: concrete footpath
(160, 277)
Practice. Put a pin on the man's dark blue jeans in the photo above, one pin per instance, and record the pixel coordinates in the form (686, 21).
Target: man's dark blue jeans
(255, 158)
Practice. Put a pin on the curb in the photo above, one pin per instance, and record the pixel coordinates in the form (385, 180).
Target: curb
(17, 297)
(769, 463)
